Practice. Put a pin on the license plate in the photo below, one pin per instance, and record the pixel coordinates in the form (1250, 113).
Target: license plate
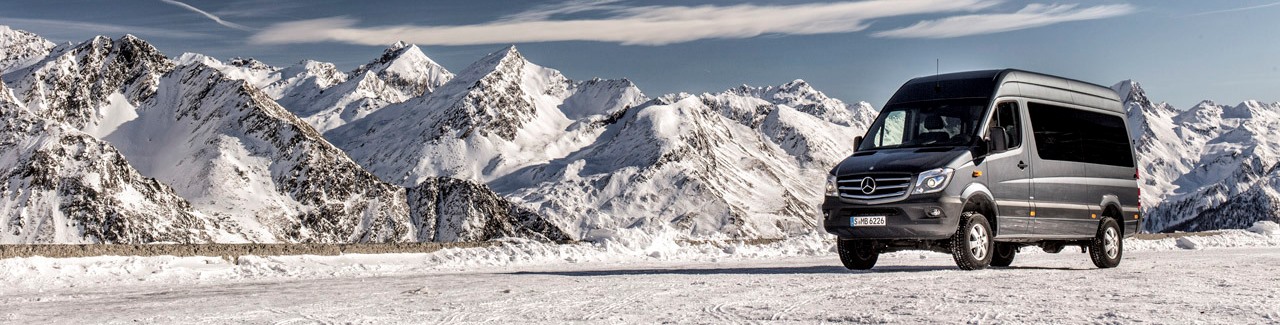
(866, 221)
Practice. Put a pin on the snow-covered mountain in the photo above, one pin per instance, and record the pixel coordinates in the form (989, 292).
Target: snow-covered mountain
(232, 151)
(402, 72)
(1209, 167)
(594, 157)
(404, 67)
(1152, 127)
(712, 165)
(92, 86)
(64, 186)
(500, 114)
(229, 163)
(327, 98)
(19, 48)
(823, 146)
(453, 210)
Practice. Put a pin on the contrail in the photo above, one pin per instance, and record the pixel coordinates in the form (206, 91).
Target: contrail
(215, 19)
(1234, 9)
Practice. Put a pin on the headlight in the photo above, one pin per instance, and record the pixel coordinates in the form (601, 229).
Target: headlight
(933, 180)
(831, 186)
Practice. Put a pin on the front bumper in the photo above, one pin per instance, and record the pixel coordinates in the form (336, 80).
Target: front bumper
(906, 219)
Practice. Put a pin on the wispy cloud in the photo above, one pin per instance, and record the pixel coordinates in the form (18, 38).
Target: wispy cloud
(1031, 16)
(258, 8)
(213, 17)
(548, 11)
(64, 30)
(1223, 11)
(646, 25)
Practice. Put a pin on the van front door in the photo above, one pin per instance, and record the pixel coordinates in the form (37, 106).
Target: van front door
(1009, 173)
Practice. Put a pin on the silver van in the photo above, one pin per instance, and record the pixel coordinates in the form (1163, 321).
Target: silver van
(982, 164)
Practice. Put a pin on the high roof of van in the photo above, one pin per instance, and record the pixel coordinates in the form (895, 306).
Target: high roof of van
(988, 84)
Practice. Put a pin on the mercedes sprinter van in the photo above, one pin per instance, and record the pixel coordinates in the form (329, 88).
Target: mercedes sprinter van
(982, 164)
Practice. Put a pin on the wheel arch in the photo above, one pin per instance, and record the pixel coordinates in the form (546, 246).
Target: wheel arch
(977, 198)
(1111, 208)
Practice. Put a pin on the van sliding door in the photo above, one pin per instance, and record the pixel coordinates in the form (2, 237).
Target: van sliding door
(1059, 184)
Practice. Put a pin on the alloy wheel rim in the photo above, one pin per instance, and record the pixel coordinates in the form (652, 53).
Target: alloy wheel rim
(1110, 242)
(978, 241)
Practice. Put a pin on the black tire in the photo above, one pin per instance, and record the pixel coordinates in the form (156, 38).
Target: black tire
(973, 226)
(858, 254)
(1101, 247)
(1004, 254)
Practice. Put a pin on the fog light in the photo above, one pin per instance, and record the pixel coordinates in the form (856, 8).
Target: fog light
(934, 212)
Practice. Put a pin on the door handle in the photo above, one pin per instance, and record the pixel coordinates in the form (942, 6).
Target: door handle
(1022, 165)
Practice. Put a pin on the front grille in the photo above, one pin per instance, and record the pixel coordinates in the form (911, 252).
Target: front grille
(885, 186)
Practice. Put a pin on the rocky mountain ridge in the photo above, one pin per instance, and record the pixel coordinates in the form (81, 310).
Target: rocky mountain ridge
(238, 166)
(1209, 167)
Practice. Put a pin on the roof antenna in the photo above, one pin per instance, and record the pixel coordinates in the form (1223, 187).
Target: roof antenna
(937, 75)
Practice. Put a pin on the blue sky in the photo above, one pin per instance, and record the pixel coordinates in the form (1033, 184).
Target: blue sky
(1181, 51)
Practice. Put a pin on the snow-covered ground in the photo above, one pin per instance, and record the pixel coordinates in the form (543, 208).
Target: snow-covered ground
(1226, 277)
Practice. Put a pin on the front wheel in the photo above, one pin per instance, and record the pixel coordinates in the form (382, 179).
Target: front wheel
(1107, 246)
(971, 244)
(858, 254)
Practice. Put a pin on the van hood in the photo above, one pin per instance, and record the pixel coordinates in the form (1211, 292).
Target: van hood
(910, 160)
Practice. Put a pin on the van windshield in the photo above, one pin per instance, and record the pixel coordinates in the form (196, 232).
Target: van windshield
(935, 123)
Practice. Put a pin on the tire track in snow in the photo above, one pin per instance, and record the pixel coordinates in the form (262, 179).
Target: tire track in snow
(723, 315)
(786, 311)
(617, 304)
(295, 318)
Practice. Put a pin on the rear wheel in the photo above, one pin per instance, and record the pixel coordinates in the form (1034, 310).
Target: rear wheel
(858, 254)
(1004, 253)
(1107, 246)
(971, 244)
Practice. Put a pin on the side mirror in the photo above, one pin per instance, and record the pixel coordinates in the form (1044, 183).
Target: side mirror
(981, 149)
(857, 142)
(997, 140)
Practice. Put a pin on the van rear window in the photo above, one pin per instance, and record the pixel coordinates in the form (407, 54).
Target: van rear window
(1076, 135)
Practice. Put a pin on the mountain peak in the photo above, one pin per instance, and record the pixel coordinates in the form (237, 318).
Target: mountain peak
(249, 63)
(406, 68)
(507, 55)
(21, 48)
(325, 74)
(398, 51)
(1130, 91)
(72, 82)
(795, 84)
(801, 88)
(1126, 87)
(506, 63)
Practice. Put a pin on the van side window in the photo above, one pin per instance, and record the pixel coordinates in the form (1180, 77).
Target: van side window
(1007, 117)
(1076, 135)
(891, 133)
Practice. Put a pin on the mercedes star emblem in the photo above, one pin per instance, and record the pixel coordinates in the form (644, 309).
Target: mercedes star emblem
(868, 185)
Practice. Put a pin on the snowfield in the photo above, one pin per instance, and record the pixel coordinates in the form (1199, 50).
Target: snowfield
(1225, 277)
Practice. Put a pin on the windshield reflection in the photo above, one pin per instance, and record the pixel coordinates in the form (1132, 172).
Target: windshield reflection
(925, 124)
